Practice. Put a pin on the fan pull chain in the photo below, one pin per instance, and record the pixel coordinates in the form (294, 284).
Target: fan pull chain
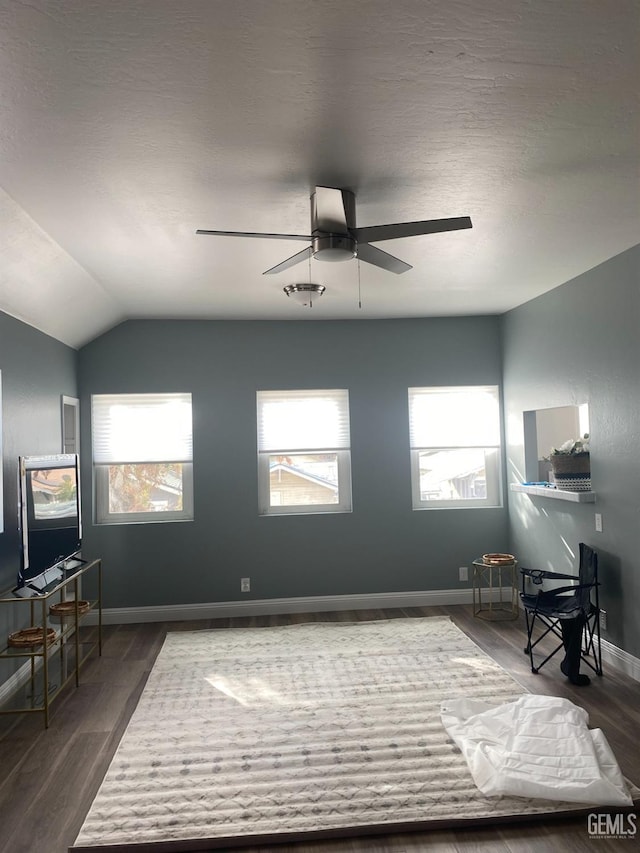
(359, 287)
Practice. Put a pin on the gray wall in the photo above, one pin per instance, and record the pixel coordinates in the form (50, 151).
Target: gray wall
(36, 371)
(382, 546)
(581, 343)
(578, 343)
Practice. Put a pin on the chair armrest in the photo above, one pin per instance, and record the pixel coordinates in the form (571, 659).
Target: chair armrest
(560, 590)
(538, 575)
(544, 597)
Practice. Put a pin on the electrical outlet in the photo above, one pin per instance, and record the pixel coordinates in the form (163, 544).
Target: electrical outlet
(245, 584)
(599, 522)
(603, 620)
(463, 573)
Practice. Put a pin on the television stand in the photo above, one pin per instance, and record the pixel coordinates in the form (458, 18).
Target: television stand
(41, 671)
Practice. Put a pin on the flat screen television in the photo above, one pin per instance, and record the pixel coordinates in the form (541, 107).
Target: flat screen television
(49, 514)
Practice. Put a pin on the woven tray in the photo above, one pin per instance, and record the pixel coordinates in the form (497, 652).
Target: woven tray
(498, 559)
(68, 608)
(31, 637)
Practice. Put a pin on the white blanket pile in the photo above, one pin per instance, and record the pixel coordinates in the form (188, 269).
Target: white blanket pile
(536, 746)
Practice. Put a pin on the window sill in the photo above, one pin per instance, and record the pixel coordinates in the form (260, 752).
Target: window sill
(557, 494)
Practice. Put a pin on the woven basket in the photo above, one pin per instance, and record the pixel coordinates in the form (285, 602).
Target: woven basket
(570, 464)
(30, 637)
(68, 608)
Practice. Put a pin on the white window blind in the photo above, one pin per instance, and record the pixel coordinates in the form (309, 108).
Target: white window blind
(304, 457)
(303, 420)
(141, 428)
(454, 417)
(142, 458)
(455, 446)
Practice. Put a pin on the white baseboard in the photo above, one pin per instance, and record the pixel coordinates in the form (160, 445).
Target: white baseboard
(611, 655)
(275, 606)
(620, 660)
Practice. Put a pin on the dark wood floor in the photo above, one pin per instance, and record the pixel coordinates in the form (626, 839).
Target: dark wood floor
(49, 778)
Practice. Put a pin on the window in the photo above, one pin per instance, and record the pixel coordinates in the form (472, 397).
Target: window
(142, 457)
(304, 459)
(455, 447)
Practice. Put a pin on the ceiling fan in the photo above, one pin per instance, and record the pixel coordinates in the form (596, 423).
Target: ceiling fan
(334, 236)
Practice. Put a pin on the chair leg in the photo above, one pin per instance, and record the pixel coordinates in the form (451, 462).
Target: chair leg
(528, 649)
(580, 640)
(550, 627)
(592, 643)
(599, 655)
(551, 654)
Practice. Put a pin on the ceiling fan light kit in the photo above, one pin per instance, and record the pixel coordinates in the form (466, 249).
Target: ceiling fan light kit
(304, 294)
(335, 237)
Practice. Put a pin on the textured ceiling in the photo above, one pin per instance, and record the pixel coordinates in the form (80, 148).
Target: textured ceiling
(125, 125)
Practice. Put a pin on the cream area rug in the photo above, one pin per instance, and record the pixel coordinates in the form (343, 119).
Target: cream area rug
(262, 734)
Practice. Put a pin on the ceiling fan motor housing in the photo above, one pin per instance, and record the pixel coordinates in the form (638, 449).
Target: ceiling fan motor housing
(333, 215)
(333, 247)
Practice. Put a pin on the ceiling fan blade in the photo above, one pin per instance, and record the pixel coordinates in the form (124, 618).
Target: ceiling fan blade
(304, 255)
(375, 233)
(254, 234)
(328, 211)
(381, 259)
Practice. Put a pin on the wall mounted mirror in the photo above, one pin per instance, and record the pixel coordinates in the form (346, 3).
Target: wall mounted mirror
(545, 429)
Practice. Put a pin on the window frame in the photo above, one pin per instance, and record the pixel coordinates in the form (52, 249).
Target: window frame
(102, 514)
(343, 458)
(101, 501)
(493, 456)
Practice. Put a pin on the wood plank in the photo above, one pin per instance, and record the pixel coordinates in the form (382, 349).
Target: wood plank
(50, 776)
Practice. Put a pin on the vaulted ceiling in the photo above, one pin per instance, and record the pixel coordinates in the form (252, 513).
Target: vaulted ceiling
(126, 125)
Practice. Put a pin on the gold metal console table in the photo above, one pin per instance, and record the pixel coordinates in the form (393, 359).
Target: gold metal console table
(47, 668)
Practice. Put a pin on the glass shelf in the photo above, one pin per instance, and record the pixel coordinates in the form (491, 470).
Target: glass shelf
(29, 694)
(39, 673)
(64, 628)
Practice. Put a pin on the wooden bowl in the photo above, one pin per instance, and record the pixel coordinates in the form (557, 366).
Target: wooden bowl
(498, 559)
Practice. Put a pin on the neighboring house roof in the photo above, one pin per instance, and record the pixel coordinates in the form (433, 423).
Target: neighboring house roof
(304, 475)
(441, 466)
(170, 483)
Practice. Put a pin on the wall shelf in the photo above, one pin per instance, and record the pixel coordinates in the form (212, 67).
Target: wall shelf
(557, 494)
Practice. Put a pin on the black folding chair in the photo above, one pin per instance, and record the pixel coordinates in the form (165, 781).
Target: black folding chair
(579, 600)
